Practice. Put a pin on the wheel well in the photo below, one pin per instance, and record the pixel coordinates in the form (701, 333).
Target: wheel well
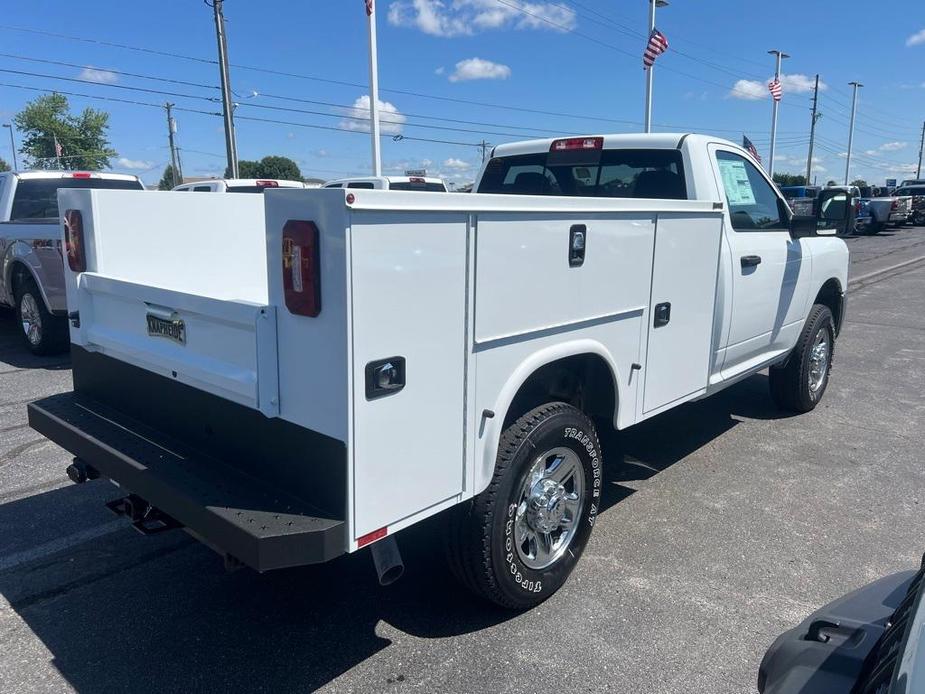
(831, 295)
(582, 380)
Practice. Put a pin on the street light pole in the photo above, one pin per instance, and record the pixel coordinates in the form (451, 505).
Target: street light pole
(918, 171)
(174, 159)
(231, 147)
(779, 56)
(854, 108)
(812, 134)
(15, 167)
(651, 70)
(373, 87)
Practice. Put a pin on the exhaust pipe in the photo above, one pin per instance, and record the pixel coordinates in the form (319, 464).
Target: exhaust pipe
(387, 560)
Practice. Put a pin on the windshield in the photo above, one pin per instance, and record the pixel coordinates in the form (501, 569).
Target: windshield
(615, 173)
(37, 198)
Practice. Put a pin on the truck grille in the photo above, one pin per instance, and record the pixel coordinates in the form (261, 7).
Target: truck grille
(881, 663)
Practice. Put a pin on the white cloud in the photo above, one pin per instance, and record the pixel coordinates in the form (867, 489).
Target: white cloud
(753, 90)
(892, 146)
(466, 17)
(134, 164)
(916, 39)
(440, 70)
(94, 75)
(456, 164)
(357, 118)
(478, 69)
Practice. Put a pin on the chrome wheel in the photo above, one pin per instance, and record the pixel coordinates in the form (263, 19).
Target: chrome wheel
(819, 360)
(31, 319)
(549, 505)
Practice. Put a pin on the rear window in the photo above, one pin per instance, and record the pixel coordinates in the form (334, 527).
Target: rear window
(366, 185)
(422, 186)
(614, 173)
(37, 198)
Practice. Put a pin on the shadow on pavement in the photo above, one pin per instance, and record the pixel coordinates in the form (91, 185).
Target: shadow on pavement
(120, 611)
(13, 350)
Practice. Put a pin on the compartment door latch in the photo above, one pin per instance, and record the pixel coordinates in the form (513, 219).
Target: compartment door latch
(384, 377)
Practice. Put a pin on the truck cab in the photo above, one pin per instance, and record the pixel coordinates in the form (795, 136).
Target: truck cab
(237, 185)
(422, 184)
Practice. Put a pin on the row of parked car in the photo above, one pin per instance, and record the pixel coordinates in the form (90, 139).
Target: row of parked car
(875, 207)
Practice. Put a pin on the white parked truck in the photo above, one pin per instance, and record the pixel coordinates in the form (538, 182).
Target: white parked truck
(31, 274)
(359, 360)
(237, 185)
(422, 184)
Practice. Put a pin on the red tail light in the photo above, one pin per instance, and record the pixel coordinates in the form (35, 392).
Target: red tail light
(74, 241)
(267, 184)
(301, 266)
(79, 174)
(894, 205)
(577, 143)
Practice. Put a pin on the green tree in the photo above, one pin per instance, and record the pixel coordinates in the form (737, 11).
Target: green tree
(168, 180)
(82, 137)
(859, 182)
(786, 179)
(269, 167)
(3, 165)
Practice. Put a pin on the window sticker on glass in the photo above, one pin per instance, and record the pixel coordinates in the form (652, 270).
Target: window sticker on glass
(735, 181)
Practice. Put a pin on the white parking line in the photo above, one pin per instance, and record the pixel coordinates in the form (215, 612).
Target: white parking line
(13, 560)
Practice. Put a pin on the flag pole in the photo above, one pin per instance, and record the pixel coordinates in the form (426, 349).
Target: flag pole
(373, 88)
(776, 103)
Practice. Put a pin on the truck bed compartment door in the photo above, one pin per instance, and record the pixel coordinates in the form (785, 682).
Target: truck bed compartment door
(409, 289)
(680, 330)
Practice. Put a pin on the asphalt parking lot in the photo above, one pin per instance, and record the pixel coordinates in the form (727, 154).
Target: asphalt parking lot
(724, 523)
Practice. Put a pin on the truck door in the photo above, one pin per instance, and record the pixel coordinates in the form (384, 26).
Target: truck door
(683, 295)
(767, 297)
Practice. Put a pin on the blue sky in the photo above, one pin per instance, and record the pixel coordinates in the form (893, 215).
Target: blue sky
(451, 65)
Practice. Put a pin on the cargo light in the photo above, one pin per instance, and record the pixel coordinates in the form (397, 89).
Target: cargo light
(414, 179)
(79, 174)
(301, 268)
(369, 538)
(267, 184)
(74, 241)
(577, 143)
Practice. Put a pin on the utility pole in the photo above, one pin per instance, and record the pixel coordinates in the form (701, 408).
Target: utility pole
(854, 108)
(231, 148)
(373, 87)
(779, 55)
(918, 171)
(483, 145)
(174, 158)
(15, 167)
(651, 69)
(812, 133)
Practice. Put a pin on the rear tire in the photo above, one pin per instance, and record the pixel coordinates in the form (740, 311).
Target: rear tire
(43, 332)
(516, 543)
(800, 384)
(874, 228)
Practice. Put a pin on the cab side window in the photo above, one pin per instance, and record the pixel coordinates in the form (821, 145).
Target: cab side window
(753, 203)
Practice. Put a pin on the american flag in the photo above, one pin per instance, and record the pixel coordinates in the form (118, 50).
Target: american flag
(657, 45)
(58, 150)
(774, 86)
(747, 144)
(369, 8)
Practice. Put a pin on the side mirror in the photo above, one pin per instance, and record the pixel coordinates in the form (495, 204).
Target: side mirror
(835, 213)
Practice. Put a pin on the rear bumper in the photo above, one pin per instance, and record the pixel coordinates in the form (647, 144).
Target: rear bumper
(254, 521)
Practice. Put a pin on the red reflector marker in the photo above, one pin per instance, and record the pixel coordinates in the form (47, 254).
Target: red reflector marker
(577, 143)
(301, 268)
(372, 537)
(74, 241)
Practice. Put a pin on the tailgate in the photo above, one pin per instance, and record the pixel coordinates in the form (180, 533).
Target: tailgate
(227, 348)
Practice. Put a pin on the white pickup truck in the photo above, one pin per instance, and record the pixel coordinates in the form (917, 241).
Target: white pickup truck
(31, 274)
(356, 361)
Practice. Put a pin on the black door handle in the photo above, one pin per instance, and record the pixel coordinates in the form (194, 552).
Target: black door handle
(751, 260)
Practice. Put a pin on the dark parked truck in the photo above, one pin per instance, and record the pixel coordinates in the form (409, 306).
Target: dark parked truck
(31, 263)
(299, 374)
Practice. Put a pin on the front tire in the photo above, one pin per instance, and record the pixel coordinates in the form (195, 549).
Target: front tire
(516, 543)
(43, 332)
(800, 384)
